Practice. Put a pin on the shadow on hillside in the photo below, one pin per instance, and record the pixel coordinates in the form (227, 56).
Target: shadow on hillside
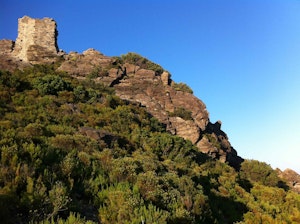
(246, 184)
(8, 203)
(224, 209)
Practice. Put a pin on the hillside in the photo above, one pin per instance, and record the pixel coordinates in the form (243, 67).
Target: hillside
(134, 78)
(98, 139)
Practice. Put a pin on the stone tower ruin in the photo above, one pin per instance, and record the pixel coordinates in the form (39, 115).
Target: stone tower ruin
(37, 40)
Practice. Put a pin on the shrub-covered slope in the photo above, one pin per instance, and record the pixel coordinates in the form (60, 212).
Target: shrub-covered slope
(73, 152)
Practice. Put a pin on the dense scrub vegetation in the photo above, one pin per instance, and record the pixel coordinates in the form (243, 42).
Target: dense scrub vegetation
(136, 59)
(73, 152)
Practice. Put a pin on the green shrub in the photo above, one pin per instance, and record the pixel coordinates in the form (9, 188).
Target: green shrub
(181, 112)
(73, 218)
(137, 59)
(50, 84)
(182, 87)
(259, 172)
(9, 80)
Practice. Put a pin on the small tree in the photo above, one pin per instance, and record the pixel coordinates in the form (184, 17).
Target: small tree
(58, 199)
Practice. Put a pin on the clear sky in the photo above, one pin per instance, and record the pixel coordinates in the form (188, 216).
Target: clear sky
(242, 58)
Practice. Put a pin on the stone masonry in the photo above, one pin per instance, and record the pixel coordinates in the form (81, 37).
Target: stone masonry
(37, 40)
(6, 46)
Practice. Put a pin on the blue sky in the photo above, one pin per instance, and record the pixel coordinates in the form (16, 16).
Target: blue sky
(242, 58)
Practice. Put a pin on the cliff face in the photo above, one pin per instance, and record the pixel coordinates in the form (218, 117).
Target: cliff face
(182, 113)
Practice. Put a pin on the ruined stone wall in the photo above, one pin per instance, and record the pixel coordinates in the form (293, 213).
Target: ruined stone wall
(37, 40)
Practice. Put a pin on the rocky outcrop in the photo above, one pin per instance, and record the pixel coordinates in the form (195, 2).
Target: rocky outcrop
(292, 178)
(8, 60)
(6, 46)
(89, 63)
(98, 135)
(157, 95)
(139, 81)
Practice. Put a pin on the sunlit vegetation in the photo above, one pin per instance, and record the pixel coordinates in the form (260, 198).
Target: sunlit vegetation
(182, 87)
(181, 112)
(73, 152)
(136, 59)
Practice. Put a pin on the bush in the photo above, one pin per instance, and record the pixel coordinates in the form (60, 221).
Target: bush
(182, 87)
(182, 112)
(259, 172)
(137, 59)
(9, 80)
(50, 84)
(74, 218)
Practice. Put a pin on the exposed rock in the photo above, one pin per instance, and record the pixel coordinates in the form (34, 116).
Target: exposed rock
(98, 135)
(6, 46)
(144, 74)
(91, 61)
(186, 129)
(226, 152)
(159, 99)
(36, 42)
(155, 93)
(291, 177)
(131, 69)
(207, 147)
(10, 63)
(104, 138)
(165, 78)
(91, 52)
(7, 59)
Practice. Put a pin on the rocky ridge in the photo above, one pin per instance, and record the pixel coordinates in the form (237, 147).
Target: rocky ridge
(139, 81)
(291, 177)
